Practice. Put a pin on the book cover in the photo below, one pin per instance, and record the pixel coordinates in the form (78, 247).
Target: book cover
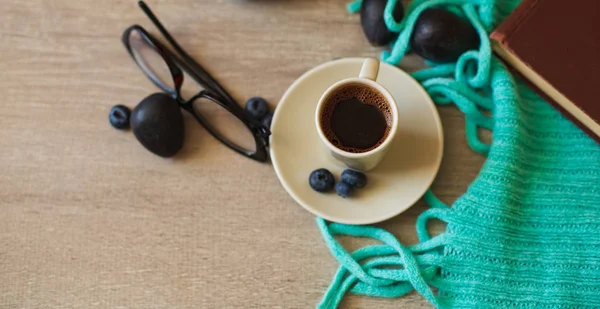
(555, 46)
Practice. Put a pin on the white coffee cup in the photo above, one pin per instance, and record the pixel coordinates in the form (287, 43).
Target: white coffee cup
(362, 161)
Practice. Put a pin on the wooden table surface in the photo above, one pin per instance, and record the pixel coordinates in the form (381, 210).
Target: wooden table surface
(90, 219)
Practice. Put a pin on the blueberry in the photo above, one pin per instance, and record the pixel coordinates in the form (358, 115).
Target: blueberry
(354, 178)
(266, 120)
(321, 180)
(119, 116)
(257, 108)
(343, 189)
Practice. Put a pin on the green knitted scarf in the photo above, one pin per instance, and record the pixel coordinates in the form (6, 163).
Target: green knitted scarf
(526, 234)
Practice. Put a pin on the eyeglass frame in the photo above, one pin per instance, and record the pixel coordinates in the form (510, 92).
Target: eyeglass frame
(213, 91)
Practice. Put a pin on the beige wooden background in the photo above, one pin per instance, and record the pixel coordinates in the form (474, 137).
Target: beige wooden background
(90, 219)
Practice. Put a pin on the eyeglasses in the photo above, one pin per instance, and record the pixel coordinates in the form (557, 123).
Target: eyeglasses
(212, 107)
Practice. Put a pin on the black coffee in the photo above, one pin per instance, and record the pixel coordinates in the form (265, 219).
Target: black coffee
(356, 118)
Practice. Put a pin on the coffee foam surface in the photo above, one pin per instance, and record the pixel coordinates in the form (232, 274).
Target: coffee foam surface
(363, 93)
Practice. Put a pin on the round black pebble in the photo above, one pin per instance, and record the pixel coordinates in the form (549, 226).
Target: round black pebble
(257, 108)
(442, 37)
(119, 116)
(321, 180)
(157, 123)
(373, 24)
(343, 189)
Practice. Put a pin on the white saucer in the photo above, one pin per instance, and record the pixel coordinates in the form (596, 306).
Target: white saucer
(397, 183)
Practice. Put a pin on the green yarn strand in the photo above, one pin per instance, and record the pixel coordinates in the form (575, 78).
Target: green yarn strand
(388, 17)
(391, 284)
(354, 6)
(406, 27)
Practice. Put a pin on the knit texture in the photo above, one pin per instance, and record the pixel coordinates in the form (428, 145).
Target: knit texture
(526, 234)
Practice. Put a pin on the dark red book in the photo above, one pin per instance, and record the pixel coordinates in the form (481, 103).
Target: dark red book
(555, 46)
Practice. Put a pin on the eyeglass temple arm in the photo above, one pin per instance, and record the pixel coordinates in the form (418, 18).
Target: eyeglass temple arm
(202, 75)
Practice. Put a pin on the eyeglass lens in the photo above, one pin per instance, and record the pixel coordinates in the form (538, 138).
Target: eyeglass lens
(225, 124)
(150, 61)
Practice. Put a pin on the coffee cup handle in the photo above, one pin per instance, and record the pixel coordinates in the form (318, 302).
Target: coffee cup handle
(369, 69)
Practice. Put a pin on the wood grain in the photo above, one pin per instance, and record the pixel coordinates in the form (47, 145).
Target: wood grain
(90, 219)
